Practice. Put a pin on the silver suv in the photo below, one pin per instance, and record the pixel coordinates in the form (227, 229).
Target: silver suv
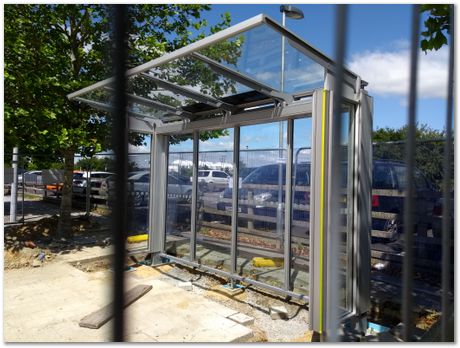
(212, 180)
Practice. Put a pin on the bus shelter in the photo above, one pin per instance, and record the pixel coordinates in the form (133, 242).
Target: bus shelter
(220, 196)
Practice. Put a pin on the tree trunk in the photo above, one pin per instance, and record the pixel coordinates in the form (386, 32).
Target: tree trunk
(65, 222)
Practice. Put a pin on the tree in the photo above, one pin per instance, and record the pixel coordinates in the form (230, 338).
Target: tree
(52, 50)
(436, 25)
(389, 144)
(95, 164)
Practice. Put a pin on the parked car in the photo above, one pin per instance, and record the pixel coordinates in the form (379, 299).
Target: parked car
(388, 177)
(96, 178)
(32, 177)
(58, 186)
(212, 180)
(179, 189)
(261, 186)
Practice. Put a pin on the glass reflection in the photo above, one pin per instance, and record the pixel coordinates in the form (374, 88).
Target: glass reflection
(215, 172)
(179, 196)
(138, 189)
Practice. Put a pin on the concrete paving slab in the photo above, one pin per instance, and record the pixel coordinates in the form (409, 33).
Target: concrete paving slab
(278, 312)
(46, 304)
(242, 319)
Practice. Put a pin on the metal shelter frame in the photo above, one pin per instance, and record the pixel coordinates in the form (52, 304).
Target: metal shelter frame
(211, 112)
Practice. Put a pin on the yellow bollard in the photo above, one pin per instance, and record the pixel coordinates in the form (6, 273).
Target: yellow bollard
(266, 262)
(138, 238)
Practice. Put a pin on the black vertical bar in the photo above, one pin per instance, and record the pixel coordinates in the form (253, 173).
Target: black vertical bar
(409, 201)
(446, 186)
(336, 131)
(120, 144)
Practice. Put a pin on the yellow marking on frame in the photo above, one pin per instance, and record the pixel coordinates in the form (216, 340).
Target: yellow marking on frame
(321, 210)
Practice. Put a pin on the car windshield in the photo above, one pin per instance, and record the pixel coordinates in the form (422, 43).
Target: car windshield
(100, 175)
(202, 173)
(269, 175)
(419, 179)
(382, 177)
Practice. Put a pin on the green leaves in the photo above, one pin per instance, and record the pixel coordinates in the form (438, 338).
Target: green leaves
(389, 143)
(52, 50)
(437, 25)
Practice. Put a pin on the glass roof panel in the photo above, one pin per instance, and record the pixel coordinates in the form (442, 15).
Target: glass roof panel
(102, 99)
(197, 76)
(251, 63)
(258, 53)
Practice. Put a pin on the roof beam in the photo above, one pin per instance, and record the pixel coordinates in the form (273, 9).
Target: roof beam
(155, 104)
(207, 99)
(243, 79)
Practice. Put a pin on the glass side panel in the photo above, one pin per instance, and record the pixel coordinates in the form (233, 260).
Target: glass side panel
(258, 53)
(261, 202)
(300, 72)
(215, 170)
(138, 190)
(300, 218)
(345, 244)
(179, 196)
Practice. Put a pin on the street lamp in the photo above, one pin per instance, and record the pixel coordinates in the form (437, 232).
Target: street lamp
(294, 13)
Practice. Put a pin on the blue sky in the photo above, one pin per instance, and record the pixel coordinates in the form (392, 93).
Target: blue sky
(378, 41)
(377, 49)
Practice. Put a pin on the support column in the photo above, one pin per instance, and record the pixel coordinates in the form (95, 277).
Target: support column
(158, 199)
(236, 175)
(14, 186)
(193, 220)
(288, 206)
(318, 213)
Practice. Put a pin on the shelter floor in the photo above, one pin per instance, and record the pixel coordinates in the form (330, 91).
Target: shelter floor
(45, 304)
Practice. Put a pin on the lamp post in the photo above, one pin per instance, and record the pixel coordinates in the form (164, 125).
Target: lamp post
(294, 13)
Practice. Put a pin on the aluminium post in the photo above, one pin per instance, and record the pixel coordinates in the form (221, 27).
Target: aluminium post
(194, 212)
(235, 192)
(288, 205)
(14, 186)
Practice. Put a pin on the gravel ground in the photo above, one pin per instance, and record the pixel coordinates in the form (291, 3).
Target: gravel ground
(251, 302)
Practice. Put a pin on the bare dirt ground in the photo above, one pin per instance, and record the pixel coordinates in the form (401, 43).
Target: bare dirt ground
(32, 243)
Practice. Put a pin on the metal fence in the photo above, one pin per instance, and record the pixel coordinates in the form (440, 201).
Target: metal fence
(412, 220)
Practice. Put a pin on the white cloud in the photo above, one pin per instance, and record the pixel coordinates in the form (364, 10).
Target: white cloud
(138, 149)
(388, 72)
